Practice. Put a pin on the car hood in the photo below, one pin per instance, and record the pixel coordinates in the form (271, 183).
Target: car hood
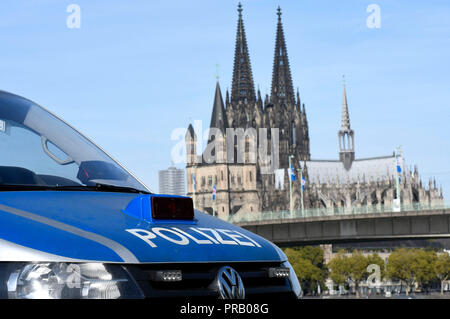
(98, 226)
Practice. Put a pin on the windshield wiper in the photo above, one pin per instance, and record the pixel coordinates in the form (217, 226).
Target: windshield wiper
(114, 188)
(18, 187)
(96, 188)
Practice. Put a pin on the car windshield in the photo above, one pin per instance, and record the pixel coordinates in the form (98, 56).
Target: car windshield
(38, 150)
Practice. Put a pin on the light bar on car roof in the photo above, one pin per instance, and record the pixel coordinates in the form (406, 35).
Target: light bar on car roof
(172, 208)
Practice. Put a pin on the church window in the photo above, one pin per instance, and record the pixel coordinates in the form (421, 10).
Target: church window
(239, 180)
(250, 176)
(251, 208)
(242, 92)
(203, 181)
(215, 179)
(221, 175)
(293, 134)
(209, 180)
(281, 62)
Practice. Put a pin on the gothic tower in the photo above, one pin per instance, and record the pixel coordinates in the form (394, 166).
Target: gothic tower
(282, 90)
(287, 112)
(242, 88)
(241, 185)
(242, 108)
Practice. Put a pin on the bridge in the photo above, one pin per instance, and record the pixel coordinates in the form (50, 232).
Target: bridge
(365, 223)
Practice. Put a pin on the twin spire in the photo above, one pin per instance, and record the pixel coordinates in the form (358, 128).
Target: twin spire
(282, 89)
(242, 87)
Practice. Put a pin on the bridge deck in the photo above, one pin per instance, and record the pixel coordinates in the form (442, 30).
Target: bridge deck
(338, 228)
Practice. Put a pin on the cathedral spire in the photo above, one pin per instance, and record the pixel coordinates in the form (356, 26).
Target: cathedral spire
(242, 87)
(259, 100)
(345, 121)
(282, 89)
(346, 135)
(219, 117)
(299, 103)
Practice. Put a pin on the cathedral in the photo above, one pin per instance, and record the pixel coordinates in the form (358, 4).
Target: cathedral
(222, 183)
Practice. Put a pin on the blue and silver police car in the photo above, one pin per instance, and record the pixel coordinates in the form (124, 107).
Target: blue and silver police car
(75, 224)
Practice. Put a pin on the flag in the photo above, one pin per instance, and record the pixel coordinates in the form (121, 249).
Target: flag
(214, 192)
(194, 182)
(292, 173)
(303, 183)
(399, 171)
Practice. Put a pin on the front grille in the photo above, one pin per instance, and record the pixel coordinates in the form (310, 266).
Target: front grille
(198, 278)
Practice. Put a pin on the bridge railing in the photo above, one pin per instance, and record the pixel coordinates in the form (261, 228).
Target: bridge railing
(335, 211)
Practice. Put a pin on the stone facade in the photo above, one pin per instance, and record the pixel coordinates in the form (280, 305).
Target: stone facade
(243, 186)
(350, 182)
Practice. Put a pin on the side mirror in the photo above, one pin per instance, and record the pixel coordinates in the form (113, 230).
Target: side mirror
(92, 170)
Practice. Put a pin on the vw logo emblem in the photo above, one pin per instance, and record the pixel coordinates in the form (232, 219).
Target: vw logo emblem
(230, 284)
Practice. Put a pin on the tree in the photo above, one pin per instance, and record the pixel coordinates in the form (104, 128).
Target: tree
(351, 268)
(357, 264)
(424, 266)
(314, 254)
(442, 268)
(400, 267)
(309, 266)
(411, 266)
(339, 268)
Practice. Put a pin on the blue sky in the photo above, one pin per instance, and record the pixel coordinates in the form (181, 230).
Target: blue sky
(136, 70)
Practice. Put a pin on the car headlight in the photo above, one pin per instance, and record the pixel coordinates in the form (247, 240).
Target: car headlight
(69, 281)
(294, 280)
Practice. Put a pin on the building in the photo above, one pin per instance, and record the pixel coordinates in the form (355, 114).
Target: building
(171, 181)
(241, 181)
(348, 182)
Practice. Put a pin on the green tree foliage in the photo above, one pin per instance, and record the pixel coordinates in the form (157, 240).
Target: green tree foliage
(353, 268)
(358, 269)
(339, 268)
(308, 264)
(314, 254)
(442, 269)
(412, 266)
(424, 269)
(400, 267)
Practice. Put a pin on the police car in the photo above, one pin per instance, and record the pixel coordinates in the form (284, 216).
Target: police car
(75, 224)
